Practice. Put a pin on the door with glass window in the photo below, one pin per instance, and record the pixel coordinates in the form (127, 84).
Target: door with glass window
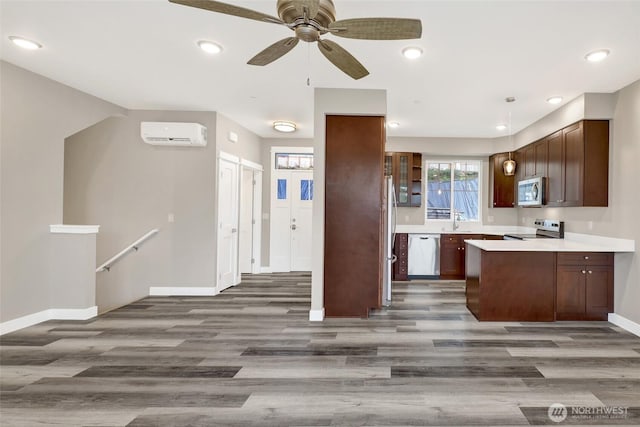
(291, 206)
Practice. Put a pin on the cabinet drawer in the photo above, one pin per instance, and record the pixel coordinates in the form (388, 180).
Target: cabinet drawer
(585, 258)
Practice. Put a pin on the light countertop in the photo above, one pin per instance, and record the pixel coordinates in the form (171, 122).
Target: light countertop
(571, 243)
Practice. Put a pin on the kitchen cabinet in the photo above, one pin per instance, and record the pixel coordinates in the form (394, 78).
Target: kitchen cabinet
(406, 169)
(541, 157)
(401, 251)
(353, 231)
(510, 286)
(452, 255)
(503, 186)
(529, 161)
(578, 165)
(584, 288)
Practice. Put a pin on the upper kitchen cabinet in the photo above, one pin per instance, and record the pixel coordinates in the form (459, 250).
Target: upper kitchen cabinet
(406, 169)
(578, 165)
(503, 185)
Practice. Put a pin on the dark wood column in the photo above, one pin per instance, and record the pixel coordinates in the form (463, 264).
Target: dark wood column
(353, 246)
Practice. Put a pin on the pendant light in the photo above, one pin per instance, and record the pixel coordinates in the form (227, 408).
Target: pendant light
(509, 166)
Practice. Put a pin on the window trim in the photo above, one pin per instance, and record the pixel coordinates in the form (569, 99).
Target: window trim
(452, 160)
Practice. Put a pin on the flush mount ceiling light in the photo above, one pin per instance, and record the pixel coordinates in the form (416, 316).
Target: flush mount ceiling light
(501, 127)
(394, 125)
(282, 126)
(209, 47)
(25, 43)
(412, 52)
(597, 55)
(555, 100)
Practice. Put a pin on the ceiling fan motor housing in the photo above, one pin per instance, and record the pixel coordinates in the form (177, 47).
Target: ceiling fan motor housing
(326, 13)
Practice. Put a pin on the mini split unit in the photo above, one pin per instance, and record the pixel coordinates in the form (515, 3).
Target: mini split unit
(174, 134)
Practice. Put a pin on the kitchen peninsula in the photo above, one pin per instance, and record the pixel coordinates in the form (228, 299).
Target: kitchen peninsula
(542, 280)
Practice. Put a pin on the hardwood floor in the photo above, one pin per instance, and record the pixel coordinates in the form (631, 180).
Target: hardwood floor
(250, 357)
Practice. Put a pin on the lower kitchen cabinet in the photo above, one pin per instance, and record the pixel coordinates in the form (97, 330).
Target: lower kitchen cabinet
(584, 286)
(401, 251)
(452, 255)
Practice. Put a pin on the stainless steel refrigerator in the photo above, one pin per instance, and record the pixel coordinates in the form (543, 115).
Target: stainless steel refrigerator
(389, 258)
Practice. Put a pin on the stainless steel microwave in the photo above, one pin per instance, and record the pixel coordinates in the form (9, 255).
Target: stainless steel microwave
(531, 192)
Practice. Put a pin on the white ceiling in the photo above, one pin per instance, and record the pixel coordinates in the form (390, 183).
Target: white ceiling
(142, 55)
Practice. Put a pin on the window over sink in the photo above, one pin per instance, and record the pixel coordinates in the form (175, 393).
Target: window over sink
(452, 188)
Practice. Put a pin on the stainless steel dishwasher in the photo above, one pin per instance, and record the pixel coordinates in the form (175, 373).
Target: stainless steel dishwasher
(424, 256)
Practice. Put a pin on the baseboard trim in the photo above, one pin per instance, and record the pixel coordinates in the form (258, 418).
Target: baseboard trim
(624, 323)
(316, 315)
(50, 314)
(177, 291)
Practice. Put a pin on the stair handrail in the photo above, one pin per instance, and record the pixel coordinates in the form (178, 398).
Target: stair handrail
(106, 266)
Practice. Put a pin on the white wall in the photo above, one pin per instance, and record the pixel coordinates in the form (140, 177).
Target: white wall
(332, 101)
(37, 115)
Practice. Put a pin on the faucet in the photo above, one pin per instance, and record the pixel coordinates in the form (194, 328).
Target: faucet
(455, 221)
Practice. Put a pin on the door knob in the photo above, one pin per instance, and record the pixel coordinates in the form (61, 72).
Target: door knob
(293, 226)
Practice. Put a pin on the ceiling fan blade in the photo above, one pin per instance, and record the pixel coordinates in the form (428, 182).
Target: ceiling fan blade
(309, 6)
(274, 51)
(377, 28)
(342, 59)
(229, 9)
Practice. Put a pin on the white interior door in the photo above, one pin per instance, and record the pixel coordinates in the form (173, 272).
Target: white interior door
(301, 207)
(246, 220)
(280, 228)
(227, 224)
(250, 213)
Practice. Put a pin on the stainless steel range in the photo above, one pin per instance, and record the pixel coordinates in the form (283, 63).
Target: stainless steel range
(545, 229)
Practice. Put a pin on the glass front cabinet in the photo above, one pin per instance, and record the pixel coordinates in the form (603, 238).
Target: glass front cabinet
(406, 169)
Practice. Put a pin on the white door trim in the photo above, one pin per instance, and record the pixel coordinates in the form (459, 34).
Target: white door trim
(229, 158)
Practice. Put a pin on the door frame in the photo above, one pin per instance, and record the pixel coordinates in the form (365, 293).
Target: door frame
(272, 185)
(256, 209)
(222, 156)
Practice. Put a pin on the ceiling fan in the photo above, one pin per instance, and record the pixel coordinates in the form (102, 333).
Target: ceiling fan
(310, 19)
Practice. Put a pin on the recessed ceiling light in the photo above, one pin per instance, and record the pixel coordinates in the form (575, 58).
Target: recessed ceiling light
(554, 100)
(210, 47)
(25, 43)
(282, 126)
(412, 52)
(501, 127)
(597, 55)
(394, 125)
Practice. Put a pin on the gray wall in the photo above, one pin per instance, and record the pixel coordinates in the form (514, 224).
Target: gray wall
(128, 187)
(619, 219)
(114, 179)
(37, 115)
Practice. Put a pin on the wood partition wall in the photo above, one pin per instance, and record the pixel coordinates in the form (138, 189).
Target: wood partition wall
(353, 246)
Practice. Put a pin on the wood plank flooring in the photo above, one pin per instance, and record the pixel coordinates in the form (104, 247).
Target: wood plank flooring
(250, 357)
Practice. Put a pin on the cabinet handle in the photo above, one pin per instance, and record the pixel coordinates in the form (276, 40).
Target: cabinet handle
(559, 201)
(494, 203)
(590, 272)
(584, 272)
(586, 257)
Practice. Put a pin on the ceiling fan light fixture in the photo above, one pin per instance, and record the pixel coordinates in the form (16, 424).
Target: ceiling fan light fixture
(283, 126)
(501, 127)
(597, 55)
(25, 43)
(554, 100)
(412, 52)
(209, 47)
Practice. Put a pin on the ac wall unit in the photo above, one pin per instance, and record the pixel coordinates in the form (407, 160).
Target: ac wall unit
(172, 133)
